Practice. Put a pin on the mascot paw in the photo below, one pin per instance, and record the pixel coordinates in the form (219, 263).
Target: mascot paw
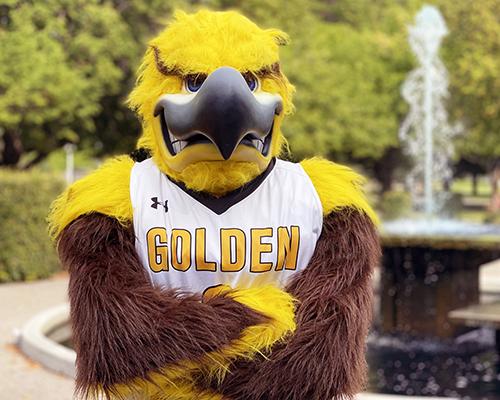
(277, 305)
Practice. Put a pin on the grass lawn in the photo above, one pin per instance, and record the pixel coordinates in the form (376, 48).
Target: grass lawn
(463, 186)
(477, 216)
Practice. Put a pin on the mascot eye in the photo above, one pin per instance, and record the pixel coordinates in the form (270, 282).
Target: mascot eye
(251, 80)
(193, 82)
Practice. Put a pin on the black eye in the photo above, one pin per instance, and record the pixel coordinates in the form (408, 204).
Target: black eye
(193, 82)
(251, 80)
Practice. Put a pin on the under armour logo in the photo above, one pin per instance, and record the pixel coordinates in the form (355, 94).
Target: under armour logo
(156, 203)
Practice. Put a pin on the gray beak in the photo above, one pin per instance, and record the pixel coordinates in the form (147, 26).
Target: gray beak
(223, 111)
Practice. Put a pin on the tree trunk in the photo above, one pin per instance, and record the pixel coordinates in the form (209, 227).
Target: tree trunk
(385, 167)
(38, 158)
(474, 184)
(11, 148)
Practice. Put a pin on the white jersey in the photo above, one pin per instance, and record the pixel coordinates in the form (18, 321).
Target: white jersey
(264, 234)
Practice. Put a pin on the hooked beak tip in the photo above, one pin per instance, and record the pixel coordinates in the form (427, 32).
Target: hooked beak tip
(226, 153)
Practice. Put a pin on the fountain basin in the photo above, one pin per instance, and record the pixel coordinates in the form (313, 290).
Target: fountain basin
(463, 367)
(43, 337)
(430, 268)
(441, 233)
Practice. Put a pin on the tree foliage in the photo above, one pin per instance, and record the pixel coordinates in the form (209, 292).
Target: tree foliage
(471, 53)
(59, 59)
(66, 67)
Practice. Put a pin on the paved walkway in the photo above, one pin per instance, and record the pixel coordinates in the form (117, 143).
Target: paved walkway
(20, 378)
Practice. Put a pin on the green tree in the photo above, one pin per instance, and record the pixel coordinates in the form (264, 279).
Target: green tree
(471, 52)
(116, 127)
(472, 56)
(58, 59)
(65, 69)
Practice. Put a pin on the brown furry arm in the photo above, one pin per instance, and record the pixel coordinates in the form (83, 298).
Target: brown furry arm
(324, 359)
(123, 327)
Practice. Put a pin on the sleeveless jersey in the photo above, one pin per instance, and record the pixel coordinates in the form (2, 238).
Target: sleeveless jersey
(265, 237)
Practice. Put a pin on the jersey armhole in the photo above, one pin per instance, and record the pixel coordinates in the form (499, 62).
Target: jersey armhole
(133, 185)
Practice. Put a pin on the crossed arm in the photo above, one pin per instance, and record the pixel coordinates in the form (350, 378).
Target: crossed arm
(123, 327)
(324, 359)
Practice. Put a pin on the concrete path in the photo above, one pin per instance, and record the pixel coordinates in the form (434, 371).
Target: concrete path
(20, 378)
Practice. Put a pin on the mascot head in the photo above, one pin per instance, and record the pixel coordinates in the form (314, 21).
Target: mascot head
(211, 96)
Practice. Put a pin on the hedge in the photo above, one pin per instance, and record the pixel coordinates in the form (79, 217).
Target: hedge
(26, 252)
(395, 204)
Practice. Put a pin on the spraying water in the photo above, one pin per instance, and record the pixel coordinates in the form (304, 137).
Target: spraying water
(426, 133)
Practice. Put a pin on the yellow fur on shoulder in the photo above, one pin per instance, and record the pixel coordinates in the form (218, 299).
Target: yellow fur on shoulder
(106, 191)
(338, 186)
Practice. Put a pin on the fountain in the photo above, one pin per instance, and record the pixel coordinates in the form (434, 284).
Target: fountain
(420, 252)
(426, 132)
(430, 264)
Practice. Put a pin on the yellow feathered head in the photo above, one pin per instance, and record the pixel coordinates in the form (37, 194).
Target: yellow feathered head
(211, 96)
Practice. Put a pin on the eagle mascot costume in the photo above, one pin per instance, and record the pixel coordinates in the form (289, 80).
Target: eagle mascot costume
(202, 266)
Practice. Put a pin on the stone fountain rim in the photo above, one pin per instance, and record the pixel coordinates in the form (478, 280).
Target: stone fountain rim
(483, 242)
(457, 240)
(34, 343)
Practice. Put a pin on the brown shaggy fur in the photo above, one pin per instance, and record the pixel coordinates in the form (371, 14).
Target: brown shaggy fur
(123, 327)
(324, 359)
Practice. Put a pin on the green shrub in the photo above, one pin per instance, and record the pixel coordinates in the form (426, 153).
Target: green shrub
(26, 252)
(395, 204)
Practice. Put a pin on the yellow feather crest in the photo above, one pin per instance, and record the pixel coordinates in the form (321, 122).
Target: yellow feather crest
(338, 186)
(205, 40)
(201, 43)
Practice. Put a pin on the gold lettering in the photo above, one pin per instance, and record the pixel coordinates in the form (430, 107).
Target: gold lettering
(184, 237)
(157, 253)
(256, 264)
(288, 247)
(232, 261)
(201, 252)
